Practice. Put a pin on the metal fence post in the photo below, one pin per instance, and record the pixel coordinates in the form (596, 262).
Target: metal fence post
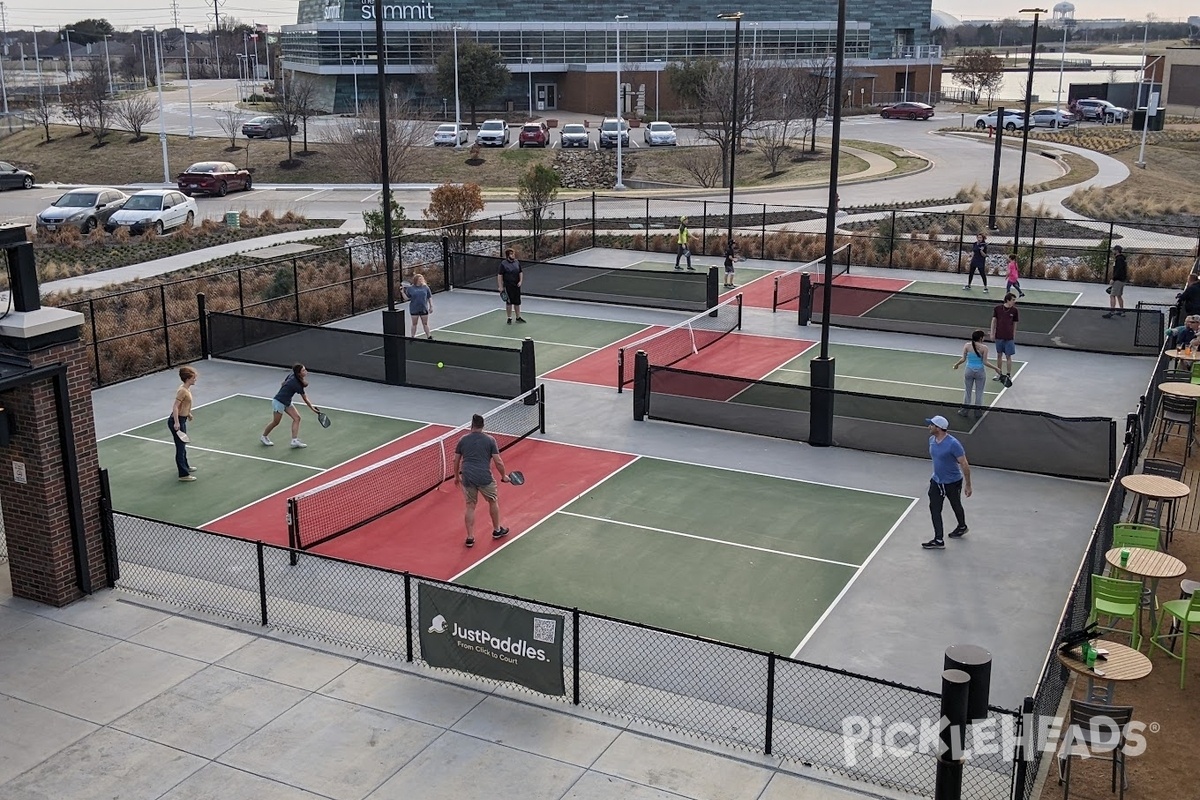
(350, 272)
(202, 318)
(892, 240)
(95, 342)
(1108, 251)
(770, 720)
(447, 274)
(762, 239)
(962, 232)
(241, 294)
(564, 227)
(1024, 747)
(296, 288)
(162, 300)
(1032, 249)
(646, 227)
(593, 219)
(408, 620)
(704, 228)
(501, 234)
(575, 655)
(262, 583)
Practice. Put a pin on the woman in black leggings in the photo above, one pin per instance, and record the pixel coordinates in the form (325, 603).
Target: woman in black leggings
(978, 261)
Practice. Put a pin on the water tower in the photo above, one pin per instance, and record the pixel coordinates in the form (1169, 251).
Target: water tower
(1063, 15)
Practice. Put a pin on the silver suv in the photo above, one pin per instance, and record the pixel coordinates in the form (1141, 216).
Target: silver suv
(608, 132)
(1097, 109)
(493, 133)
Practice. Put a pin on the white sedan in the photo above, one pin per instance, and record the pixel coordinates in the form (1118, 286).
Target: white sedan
(660, 133)
(450, 134)
(1012, 120)
(157, 209)
(1050, 118)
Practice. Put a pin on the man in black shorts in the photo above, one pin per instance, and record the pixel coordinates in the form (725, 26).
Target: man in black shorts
(1116, 288)
(473, 458)
(508, 279)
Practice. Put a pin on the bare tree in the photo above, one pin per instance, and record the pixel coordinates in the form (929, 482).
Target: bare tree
(715, 97)
(355, 142)
(229, 120)
(74, 106)
(42, 115)
(94, 104)
(774, 137)
(135, 111)
(300, 93)
(702, 163)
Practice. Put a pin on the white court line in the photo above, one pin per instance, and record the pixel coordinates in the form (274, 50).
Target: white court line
(595, 350)
(222, 452)
(713, 541)
(509, 541)
(878, 380)
(163, 420)
(292, 486)
(853, 578)
(508, 339)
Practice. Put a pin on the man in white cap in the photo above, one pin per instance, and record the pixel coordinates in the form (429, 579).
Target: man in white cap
(683, 239)
(951, 478)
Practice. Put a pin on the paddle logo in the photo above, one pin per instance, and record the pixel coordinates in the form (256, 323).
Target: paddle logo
(491, 639)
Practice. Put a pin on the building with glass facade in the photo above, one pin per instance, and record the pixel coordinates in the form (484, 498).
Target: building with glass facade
(564, 53)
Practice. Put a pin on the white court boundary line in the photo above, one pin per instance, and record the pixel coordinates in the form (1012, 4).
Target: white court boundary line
(711, 540)
(829, 609)
(222, 452)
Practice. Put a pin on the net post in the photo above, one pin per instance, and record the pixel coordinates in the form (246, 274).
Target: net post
(395, 355)
(446, 263)
(528, 366)
(641, 385)
(541, 401)
(713, 292)
(202, 318)
(806, 292)
(620, 370)
(739, 311)
(293, 526)
(775, 296)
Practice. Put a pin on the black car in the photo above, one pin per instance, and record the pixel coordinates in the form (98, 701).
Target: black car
(267, 128)
(14, 178)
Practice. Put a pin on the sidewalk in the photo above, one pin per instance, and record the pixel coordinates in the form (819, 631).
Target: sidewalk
(114, 697)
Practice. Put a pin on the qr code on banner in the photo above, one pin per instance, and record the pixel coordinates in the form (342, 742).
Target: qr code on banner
(544, 629)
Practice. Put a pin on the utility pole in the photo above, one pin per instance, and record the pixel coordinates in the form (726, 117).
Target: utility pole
(216, 35)
(175, 12)
(162, 123)
(3, 48)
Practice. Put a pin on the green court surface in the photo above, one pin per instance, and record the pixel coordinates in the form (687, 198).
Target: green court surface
(1046, 296)
(235, 467)
(703, 262)
(969, 312)
(894, 373)
(664, 543)
(558, 340)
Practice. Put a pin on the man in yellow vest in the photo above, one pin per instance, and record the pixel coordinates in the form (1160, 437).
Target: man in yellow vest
(683, 238)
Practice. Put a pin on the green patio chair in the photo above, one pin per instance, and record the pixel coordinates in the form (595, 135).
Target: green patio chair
(1185, 623)
(1133, 534)
(1117, 600)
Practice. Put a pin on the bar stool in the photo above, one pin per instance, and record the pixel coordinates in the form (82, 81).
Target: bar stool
(1186, 590)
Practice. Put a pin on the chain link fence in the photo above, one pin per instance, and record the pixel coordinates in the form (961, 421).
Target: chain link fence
(735, 697)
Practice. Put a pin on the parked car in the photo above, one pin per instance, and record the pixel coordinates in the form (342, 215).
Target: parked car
(14, 177)
(493, 133)
(534, 133)
(214, 177)
(660, 133)
(1050, 118)
(160, 209)
(85, 209)
(1101, 110)
(1012, 120)
(574, 135)
(907, 110)
(449, 134)
(267, 128)
(608, 132)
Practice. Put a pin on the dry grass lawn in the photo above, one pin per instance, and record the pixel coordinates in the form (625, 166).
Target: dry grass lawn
(1164, 191)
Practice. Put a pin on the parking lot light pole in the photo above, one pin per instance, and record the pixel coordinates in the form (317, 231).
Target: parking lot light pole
(457, 109)
(107, 64)
(187, 66)
(1067, 23)
(657, 71)
(70, 60)
(162, 124)
(529, 61)
(620, 111)
(356, 60)
(736, 16)
(1037, 12)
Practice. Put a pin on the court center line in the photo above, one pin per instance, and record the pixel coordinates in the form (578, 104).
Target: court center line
(714, 541)
(853, 578)
(507, 339)
(509, 540)
(194, 406)
(223, 452)
(879, 380)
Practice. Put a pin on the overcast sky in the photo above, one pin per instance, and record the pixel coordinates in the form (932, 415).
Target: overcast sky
(130, 14)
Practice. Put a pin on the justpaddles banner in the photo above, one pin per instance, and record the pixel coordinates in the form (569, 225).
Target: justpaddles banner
(491, 640)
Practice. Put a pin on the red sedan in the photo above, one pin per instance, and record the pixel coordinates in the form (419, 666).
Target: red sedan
(213, 177)
(907, 111)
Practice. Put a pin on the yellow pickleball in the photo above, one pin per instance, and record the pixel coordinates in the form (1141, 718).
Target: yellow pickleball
(440, 365)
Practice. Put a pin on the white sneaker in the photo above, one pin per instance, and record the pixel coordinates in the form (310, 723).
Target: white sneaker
(266, 441)
(967, 288)
(298, 443)
(985, 290)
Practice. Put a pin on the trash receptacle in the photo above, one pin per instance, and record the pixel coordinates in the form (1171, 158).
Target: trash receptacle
(1141, 120)
(233, 219)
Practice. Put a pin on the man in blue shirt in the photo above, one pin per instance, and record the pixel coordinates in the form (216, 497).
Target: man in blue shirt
(951, 478)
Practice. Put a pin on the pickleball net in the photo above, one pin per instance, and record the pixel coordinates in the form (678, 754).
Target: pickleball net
(684, 339)
(788, 286)
(351, 501)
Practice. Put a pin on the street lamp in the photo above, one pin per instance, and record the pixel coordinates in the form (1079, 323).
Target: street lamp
(70, 60)
(162, 122)
(187, 65)
(620, 108)
(1067, 23)
(107, 64)
(529, 61)
(736, 16)
(1151, 109)
(657, 70)
(457, 111)
(356, 60)
(1037, 12)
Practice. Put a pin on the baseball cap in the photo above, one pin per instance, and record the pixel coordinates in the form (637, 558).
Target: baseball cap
(683, 219)
(939, 421)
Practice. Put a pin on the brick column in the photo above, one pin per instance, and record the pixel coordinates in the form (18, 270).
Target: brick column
(49, 471)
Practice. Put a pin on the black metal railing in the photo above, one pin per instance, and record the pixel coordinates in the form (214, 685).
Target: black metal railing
(732, 696)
